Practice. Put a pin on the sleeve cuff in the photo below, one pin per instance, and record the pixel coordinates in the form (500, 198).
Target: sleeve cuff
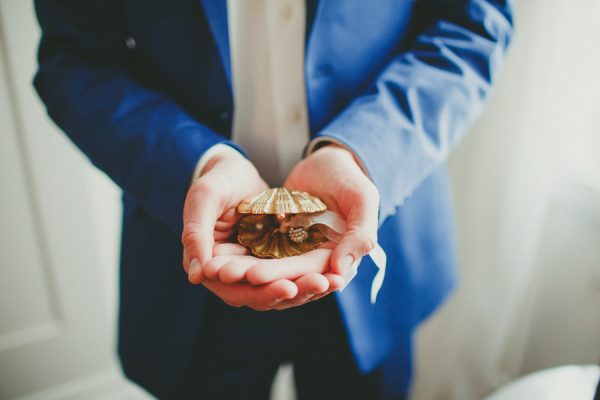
(321, 141)
(208, 154)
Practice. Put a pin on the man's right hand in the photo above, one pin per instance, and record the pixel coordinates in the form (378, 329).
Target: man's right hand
(209, 214)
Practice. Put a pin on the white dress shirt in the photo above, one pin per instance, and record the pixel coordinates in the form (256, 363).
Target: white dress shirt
(266, 40)
(270, 110)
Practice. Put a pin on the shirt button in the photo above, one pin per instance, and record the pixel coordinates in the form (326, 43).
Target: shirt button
(295, 115)
(286, 11)
(225, 116)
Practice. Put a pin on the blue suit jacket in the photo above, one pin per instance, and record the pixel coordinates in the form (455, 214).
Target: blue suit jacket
(143, 88)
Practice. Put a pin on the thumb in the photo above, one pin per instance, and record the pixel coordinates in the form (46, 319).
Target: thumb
(354, 245)
(358, 240)
(230, 179)
(200, 213)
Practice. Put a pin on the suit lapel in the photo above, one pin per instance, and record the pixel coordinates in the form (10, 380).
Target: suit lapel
(216, 16)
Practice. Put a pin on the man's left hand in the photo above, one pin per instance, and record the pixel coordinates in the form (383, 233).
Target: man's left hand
(333, 174)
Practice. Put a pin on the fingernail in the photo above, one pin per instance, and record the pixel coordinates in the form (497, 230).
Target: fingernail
(350, 274)
(346, 263)
(195, 267)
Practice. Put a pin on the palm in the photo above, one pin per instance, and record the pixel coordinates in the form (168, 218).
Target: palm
(332, 174)
(331, 177)
(209, 211)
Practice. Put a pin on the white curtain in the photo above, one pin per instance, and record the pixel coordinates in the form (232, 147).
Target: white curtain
(527, 197)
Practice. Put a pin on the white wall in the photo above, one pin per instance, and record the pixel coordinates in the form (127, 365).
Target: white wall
(527, 188)
(59, 234)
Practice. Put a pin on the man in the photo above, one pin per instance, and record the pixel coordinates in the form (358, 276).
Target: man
(144, 89)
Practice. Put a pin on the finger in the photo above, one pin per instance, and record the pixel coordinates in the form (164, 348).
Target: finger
(268, 270)
(355, 244)
(196, 273)
(229, 217)
(193, 269)
(200, 213)
(360, 209)
(309, 286)
(318, 297)
(230, 249)
(220, 236)
(257, 297)
(186, 262)
(221, 226)
(336, 282)
(351, 272)
(213, 266)
(229, 268)
(235, 270)
(312, 284)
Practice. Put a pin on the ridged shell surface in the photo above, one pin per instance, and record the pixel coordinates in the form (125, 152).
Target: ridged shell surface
(281, 201)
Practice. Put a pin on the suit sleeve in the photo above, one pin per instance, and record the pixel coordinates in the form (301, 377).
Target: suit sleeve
(417, 109)
(141, 138)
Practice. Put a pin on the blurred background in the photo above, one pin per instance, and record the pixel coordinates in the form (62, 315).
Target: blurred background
(527, 199)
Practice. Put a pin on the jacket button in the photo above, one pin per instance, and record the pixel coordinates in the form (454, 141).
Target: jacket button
(130, 43)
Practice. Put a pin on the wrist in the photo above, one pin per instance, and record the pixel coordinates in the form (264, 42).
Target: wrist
(336, 147)
(211, 157)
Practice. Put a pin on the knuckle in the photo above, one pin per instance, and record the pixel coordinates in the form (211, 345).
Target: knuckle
(202, 188)
(190, 227)
(208, 193)
(195, 194)
(190, 236)
(190, 240)
(366, 243)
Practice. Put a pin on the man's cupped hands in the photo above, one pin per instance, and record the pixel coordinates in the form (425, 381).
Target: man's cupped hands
(212, 257)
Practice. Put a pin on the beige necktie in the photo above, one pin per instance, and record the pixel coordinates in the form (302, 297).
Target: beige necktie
(267, 56)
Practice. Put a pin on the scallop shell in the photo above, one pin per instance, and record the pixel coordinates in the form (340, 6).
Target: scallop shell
(263, 235)
(281, 201)
(266, 230)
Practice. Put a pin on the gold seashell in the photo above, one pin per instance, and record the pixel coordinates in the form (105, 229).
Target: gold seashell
(266, 229)
(271, 241)
(281, 202)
